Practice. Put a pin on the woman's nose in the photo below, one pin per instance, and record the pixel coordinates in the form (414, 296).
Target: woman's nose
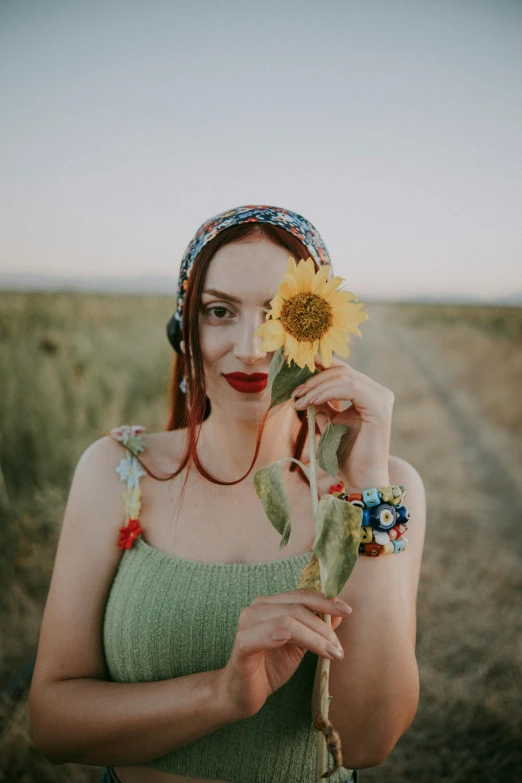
(247, 346)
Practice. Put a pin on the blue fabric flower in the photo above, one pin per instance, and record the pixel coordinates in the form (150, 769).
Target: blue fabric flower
(130, 471)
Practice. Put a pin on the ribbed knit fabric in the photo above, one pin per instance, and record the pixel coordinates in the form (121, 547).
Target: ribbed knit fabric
(167, 617)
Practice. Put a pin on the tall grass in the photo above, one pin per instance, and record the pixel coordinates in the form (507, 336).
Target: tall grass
(74, 365)
(71, 367)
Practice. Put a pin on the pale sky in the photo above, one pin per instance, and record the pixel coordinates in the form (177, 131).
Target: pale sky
(394, 127)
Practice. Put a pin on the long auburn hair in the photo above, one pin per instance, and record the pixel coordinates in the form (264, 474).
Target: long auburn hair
(190, 363)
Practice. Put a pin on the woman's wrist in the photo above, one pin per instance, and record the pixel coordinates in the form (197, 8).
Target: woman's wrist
(358, 484)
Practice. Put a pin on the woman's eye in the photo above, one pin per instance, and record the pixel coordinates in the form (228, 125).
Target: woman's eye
(219, 312)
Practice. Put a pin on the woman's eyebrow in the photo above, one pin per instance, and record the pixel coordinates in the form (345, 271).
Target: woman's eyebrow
(230, 297)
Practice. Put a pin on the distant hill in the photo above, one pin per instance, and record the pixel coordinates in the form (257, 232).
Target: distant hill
(166, 286)
(97, 284)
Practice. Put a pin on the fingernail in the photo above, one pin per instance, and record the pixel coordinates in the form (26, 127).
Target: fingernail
(333, 650)
(341, 606)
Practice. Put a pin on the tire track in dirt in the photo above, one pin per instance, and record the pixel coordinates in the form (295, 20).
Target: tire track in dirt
(491, 467)
(469, 622)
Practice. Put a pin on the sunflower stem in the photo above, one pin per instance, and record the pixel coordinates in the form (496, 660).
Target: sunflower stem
(310, 415)
(323, 663)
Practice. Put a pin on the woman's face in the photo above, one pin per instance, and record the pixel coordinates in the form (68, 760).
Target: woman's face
(241, 280)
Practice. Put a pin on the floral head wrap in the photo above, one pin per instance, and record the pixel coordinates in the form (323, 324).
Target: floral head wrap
(253, 213)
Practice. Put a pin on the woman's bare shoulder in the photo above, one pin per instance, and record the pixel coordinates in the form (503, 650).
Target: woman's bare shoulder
(165, 449)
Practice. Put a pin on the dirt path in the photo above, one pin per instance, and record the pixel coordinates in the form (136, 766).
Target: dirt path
(469, 619)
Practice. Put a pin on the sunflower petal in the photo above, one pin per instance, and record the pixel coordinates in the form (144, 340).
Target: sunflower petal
(291, 267)
(289, 287)
(338, 298)
(272, 335)
(326, 350)
(331, 285)
(320, 279)
(305, 356)
(291, 346)
(276, 305)
(305, 275)
(342, 318)
(339, 341)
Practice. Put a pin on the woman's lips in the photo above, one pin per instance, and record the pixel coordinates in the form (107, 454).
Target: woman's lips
(247, 382)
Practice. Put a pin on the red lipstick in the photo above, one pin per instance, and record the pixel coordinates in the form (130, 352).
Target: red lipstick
(247, 382)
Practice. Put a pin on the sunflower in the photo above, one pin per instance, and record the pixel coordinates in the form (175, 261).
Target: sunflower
(309, 315)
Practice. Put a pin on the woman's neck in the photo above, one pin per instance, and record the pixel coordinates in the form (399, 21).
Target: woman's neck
(226, 446)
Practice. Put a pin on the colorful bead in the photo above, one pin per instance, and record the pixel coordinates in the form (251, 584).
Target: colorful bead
(371, 497)
(383, 517)
(396, 532)
(392, 494)
(403, 513)
(386, 494)
(335, 489)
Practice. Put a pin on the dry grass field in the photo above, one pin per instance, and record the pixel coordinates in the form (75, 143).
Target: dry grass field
(72, 366)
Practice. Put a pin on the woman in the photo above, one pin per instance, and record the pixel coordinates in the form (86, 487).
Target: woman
(164, 662)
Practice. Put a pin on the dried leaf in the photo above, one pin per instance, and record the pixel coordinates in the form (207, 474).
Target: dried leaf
(338, 534)
(327, 447)
(271, 491)
(310, 578)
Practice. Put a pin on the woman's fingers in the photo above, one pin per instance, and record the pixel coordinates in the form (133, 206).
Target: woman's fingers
(279, 630)
(298, 612)
(314, 599)
(298, 618)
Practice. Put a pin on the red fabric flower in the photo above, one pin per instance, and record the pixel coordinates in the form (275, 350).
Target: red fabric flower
(336, 487)
(129, 534)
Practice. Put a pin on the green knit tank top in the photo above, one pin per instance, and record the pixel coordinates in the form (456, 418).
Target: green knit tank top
(167, 616)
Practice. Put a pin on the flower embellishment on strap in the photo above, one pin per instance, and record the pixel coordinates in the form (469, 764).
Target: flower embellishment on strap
(130, 471)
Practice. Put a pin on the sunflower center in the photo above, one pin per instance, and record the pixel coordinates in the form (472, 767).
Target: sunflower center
(306, 316)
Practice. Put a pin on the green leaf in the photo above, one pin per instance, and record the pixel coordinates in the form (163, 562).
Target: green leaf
(271, 491)
(327, 447)
(275, 365)
(286, 380)
(338, 535)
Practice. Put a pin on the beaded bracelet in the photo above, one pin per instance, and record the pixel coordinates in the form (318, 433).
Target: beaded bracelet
(384, 518)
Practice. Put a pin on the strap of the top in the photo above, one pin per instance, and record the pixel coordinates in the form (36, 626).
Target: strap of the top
(130, 471)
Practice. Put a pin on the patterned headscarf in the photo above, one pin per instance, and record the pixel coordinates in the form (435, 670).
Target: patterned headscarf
(252, 213)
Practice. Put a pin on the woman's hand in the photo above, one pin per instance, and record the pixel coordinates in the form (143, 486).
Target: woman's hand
(364, 449)
(260, 664)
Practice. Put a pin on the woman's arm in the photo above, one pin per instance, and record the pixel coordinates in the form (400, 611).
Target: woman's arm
(90, 721)
(375, 687)
(77, 714)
